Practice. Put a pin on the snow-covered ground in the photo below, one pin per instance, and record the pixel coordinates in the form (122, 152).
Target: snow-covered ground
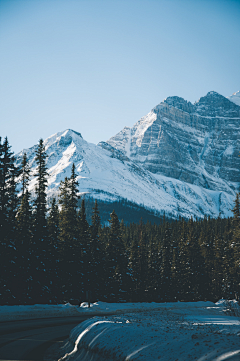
(183, 331)
(168, 331)
(21, 312)
(11, 313)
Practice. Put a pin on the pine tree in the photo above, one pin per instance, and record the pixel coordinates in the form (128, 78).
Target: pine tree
(69, 246)
(53, 248)
(116, 262)
(41, 187)
(66, 237)
(8, 198)
(138, 264)
(8, 209)
(182, 282)
(194, 271)
(24, 229)
(165, 270)
(218, 269)
(236, 246)
(83, 244)
(39, 256)
(152, 279)
(24, 250)
(134, 269)
(24, 173)
(236, 211)
(97, 254)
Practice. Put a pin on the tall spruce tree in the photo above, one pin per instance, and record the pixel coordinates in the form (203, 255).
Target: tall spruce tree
(24, 249)
(8, 194)
(39, 260)
(69, 247)
(25, 171)
(8, 209)
(133, 270)
(53, 249)
(41, 187)
(165, 270)
(236, 246)
(84, 267)
(24, 226)
(116, 262)
(96, 253)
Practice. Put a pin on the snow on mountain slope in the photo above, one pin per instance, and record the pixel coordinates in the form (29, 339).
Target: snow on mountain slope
(235, 98)
(195, 143)
(108, 174)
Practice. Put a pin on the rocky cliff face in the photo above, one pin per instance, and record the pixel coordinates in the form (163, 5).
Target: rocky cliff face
(107, 174)
(196, 143)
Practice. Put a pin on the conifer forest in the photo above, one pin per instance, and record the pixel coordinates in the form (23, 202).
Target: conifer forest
(50, 253)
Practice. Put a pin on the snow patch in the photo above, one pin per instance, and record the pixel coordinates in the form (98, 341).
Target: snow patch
(172, 331)
(235, 97)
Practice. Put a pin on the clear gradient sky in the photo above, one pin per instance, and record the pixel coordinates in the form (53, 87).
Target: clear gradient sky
(97, 66)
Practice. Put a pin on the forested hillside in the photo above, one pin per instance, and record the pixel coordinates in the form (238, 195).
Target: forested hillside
(54, 254)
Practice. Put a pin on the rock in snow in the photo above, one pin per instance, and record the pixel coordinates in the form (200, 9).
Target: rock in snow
(181, 159)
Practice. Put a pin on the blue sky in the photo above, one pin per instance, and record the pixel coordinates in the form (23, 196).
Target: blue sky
(97, 66)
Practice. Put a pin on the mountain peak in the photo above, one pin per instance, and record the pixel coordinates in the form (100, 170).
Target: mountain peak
(211, 96)
(213, 93)
(214, 104)
(179, 103)
(70, 132)
(235, 98)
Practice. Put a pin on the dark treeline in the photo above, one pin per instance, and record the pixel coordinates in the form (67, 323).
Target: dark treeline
(52, 254)
(127, 211)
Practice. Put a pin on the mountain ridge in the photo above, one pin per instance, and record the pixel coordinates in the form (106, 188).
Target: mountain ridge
(178, 140)
(174, 160)
(105, 175)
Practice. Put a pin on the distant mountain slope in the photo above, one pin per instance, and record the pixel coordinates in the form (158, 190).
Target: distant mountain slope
(235, 98)
(195, 143)
(107, 174)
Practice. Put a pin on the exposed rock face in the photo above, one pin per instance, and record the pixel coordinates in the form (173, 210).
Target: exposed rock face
(195, 143)
(107, 174)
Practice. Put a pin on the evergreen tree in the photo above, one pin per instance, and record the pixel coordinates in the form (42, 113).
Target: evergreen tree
(218, 270)
(41, 199)
(97, 254)
(39, 257)
(24, 173)
(8, 198)
(8, 209)
(69, 246)
(165, 270)
(24, 250)
(235, 245)
(53, 249)
(84, 245)
(236, 211)
(152, 285)
(116, 262)
(139, 264)
(134, 269)
(194, 271)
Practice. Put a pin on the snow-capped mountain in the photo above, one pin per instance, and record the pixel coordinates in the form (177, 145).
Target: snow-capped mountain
(108, 174)
(235, 97)
(195, 143)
